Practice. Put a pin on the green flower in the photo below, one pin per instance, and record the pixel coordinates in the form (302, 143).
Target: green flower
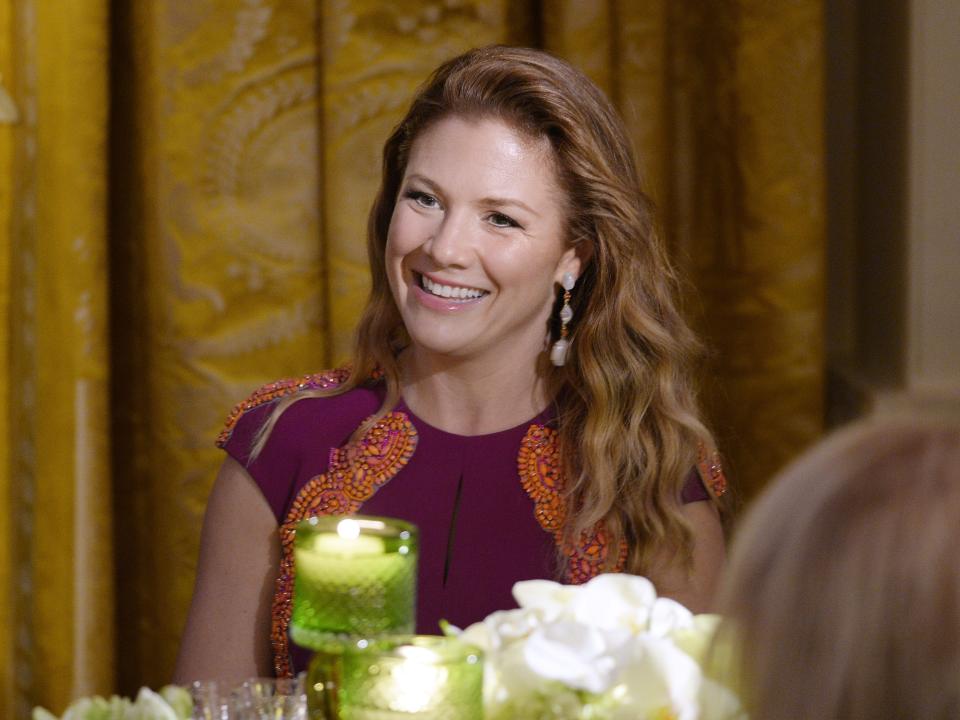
(171, 703)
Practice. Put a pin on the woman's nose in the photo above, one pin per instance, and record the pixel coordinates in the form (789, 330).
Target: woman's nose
(450, 245)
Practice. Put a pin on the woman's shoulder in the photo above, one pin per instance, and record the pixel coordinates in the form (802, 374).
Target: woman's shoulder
(319, 405)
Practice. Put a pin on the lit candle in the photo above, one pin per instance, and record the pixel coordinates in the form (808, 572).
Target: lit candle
(353, 576)
(346, 543)
(426, 677)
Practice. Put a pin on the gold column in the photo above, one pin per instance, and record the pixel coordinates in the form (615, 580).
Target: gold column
(9, 115)
(60, 620)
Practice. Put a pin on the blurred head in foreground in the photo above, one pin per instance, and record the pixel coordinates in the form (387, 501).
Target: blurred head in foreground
(844, 580)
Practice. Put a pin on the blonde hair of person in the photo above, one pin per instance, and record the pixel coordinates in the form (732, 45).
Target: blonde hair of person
(843, 588)
(628, 419)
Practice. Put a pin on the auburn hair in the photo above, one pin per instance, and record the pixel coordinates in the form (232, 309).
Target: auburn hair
(627, 412)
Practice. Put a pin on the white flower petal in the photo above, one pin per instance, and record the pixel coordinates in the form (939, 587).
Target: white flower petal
(719, 703)
(667, 616)
(577, 655)
(506, 626)
(478, 634)
(615, 600)
(508, 678)
(662, 677)
(695, 640)
(549, 598)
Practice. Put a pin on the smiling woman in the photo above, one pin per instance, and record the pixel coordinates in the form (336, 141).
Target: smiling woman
(471, 268)
(510, 220)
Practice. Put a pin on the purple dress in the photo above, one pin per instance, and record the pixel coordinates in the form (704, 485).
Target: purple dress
(483, 525)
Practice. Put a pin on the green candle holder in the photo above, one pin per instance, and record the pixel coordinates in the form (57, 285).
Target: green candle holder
(418, 677)
(355, 578)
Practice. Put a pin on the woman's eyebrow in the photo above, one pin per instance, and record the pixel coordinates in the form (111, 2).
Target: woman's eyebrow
(487, 201)
(500, 202)
(425, 180)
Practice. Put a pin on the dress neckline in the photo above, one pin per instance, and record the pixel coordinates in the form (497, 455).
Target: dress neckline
(544, 417)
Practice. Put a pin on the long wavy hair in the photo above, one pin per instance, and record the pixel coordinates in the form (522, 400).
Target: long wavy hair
(627, 413)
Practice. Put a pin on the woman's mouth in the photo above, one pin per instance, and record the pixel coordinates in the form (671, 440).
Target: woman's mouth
(456, 293)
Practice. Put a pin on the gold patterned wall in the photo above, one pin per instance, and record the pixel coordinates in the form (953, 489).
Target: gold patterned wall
(724, 101)
(736, 159)
(186, 222)
(58, 594)
(9, 115)
(254, 155)
(219, 201)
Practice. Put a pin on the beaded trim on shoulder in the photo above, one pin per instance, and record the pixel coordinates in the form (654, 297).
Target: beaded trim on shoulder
(711, 472)
(281, 388)
(541, 475)
(356, 471)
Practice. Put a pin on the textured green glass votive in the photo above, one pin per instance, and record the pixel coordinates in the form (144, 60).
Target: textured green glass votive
(426, 677)
(354, 576)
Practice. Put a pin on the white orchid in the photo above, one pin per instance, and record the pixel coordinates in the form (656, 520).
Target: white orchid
(607, 650)
(583, 657)
(549, 600)
(660, 681)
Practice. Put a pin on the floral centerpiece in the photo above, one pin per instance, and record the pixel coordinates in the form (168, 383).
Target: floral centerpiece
(171, 703)
(608, 649)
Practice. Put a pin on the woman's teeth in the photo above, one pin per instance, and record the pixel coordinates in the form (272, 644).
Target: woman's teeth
(448, 291)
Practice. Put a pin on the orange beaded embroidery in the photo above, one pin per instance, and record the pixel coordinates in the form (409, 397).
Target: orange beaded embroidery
(711, 472)
(541, 475)
(354, 474)
(279, 389)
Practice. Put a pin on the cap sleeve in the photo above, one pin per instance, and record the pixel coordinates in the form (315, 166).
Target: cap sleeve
(276, 467)
(693, 488)
(272, 392)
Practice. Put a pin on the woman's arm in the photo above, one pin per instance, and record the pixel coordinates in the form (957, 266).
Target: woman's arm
(694, 588)
(227, 635)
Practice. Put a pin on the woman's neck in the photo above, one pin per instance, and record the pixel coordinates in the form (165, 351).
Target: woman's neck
(470, 397)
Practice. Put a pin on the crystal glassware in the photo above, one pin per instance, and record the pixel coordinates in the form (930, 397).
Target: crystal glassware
(273, 699)
(215, 701)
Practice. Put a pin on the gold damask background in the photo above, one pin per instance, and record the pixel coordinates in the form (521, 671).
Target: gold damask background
(183, 192)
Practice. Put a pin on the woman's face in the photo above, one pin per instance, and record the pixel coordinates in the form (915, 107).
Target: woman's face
(476, 241)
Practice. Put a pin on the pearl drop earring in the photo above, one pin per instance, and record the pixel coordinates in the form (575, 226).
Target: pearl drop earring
(558, 353)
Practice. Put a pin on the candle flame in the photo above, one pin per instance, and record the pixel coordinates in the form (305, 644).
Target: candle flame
(417, 685)
(348, 529)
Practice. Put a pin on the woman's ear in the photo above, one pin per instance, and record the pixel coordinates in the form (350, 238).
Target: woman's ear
(573, 260)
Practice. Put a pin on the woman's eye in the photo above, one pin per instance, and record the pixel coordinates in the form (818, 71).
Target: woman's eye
(502, 221)
(423, 199)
